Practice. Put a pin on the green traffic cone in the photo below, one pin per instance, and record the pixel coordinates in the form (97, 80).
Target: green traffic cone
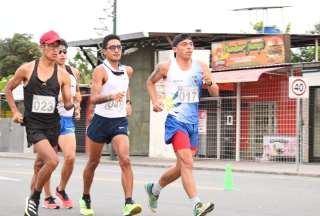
(228, 178)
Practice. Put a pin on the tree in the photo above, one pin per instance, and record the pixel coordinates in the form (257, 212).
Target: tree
(16, 51)
(306, 54)
(80, 62)
(258, 27)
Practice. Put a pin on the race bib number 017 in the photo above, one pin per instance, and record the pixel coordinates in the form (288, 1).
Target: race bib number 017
(188, 94)
(43, 104)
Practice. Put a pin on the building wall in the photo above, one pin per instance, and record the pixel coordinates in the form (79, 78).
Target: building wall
(142, 62)
(313, 79)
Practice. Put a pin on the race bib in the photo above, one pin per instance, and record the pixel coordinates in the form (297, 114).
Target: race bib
(115, 105)
(188, 94)
(43, 104)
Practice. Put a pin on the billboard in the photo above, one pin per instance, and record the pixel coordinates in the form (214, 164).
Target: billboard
(266, 50)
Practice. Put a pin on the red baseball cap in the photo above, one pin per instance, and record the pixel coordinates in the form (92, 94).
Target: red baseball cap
(49, 37)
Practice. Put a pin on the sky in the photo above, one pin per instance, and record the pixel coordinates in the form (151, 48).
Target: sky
(76, 20)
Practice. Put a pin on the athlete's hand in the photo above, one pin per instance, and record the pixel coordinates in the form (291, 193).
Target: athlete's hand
(207, 79)
(17, 117)
(158, 106)
(129, 109)
(118, 96)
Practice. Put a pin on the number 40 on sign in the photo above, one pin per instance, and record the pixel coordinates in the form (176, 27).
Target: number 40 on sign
(298, 87)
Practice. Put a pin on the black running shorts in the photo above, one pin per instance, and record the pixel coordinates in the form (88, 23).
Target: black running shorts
(34, 135)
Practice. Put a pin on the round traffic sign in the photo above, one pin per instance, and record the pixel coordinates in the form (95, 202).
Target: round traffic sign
(299, 87)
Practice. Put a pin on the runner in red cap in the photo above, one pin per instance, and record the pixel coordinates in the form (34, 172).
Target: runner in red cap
(42, 80)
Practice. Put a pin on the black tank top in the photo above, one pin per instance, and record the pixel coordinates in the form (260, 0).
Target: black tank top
(41, 99)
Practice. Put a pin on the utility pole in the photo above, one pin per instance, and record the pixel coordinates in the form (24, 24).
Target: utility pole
(114, 16)
(110, 15)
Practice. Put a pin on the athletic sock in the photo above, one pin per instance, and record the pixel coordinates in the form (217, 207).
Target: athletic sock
(128, 201)
(35, 195)
(195, 200)
(86, 196)
(156, 188)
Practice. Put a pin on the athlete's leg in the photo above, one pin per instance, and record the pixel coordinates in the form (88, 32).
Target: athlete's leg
(67, 144)
(93, 161)
(48, 155)
(46, 189)
(184, 156)
(120, 144)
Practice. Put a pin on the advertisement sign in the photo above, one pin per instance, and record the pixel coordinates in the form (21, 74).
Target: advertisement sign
(279, 146)
(265, 50)
(202, 127)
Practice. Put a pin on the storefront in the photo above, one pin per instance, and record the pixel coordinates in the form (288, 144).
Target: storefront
(253, 119)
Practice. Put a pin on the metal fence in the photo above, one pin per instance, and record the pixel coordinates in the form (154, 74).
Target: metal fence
(254, 121)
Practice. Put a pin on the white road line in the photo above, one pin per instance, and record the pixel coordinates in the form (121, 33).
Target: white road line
(4, 178)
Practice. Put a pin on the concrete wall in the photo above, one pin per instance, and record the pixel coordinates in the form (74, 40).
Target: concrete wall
(12, 136)
(305, 130)
(142, 62)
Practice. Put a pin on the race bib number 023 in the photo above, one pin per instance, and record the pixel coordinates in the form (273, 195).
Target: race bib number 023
(43, 104)
(188, 94)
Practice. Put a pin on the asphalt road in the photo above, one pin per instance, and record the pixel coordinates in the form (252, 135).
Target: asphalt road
(253, 194)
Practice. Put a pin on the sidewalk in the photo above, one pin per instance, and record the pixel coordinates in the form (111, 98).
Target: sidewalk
(311, 169)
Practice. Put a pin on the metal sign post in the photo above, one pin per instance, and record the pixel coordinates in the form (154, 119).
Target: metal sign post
(298, 89)
(298, 134)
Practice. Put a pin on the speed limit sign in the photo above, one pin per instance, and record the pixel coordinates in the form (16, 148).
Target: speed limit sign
(298, 87)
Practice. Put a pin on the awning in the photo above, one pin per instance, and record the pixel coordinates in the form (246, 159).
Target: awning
(247, 75)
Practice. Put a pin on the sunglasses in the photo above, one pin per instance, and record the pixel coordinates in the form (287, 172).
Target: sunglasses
(114, 47)
(117, 73)
(62, 51)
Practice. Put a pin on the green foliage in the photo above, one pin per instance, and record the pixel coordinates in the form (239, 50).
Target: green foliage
(16, 51)
(79, 61)
(288, 28)
(3, 82)
(306, 54)
(258, 26)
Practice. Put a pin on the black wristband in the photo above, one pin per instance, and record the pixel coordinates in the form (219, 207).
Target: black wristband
(210, 84)
(128, 102)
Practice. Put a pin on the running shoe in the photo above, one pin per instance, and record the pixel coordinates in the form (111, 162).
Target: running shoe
(49, 203)
(31, 208)
(64, 198)
(131, 209)
(85, 207)
(202, 209)
(153, 199)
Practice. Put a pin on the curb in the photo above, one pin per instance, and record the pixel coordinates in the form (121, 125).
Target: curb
(162, 165)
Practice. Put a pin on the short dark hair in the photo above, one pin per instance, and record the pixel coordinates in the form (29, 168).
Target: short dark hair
(109, 37)
(180, 37)
(64, 43)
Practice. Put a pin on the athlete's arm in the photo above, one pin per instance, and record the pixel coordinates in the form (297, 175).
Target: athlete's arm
(128, 96)
(213, 88)
(98, 79)
(19, 76)
(159, 73)
(66, 90)
(77, 97)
